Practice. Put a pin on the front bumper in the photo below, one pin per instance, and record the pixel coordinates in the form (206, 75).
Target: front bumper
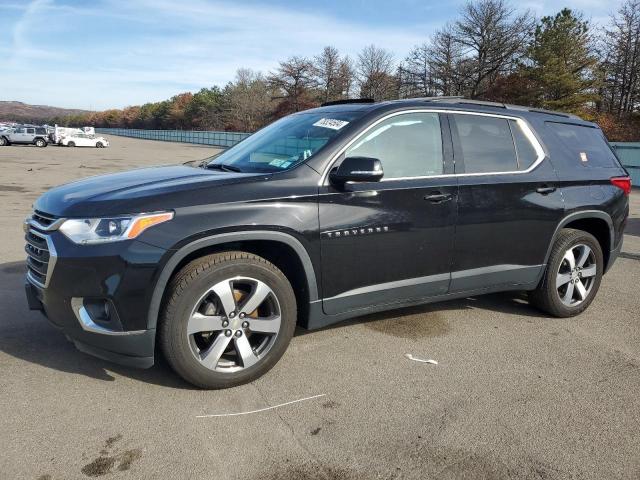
(81, 278)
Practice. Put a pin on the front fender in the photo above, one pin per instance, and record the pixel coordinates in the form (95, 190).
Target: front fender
(222, 238)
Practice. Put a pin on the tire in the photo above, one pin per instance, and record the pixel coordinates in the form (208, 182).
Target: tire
(40, 143)
(71, 144)
(197, 291)
(568, 286)
(99, 145)
(3, 142)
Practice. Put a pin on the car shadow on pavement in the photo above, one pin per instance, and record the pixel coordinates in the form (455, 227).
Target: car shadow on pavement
(27, 335)
(633, 227)
(424, 320)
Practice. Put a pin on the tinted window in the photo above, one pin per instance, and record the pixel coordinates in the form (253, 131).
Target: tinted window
(40, 131)
(587, 145)
(524, 149)
(31, 131)
(487, 144)
(408, 145)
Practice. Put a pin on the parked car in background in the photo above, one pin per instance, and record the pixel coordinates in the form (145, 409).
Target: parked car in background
(84, 140)
(59, 133)
(25, 136)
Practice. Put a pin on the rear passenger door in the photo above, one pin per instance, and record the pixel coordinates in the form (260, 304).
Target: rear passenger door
(508, 203)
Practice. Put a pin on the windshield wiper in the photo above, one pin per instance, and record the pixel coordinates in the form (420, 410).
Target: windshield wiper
(224, 167)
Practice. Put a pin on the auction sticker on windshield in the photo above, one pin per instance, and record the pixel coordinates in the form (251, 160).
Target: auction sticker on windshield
(331, 123)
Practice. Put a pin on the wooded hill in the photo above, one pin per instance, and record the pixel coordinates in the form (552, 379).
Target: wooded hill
(24, 113)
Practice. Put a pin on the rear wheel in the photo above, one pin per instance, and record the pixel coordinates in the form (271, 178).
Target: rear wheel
(99, 145)
(228, 319)
(71, 144)
(40, 143)
(573, 274)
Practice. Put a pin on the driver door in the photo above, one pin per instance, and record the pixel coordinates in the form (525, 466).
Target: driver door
(391, 241)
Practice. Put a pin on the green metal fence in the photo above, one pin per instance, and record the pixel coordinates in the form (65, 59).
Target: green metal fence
(218, 139)
(629, 154)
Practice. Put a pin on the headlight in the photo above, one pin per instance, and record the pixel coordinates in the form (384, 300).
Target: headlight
(111, 229)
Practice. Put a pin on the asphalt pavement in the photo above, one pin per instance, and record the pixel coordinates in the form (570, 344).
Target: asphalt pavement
(515, 394)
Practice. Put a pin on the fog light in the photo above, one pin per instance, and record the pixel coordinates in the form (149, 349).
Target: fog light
(103, 313)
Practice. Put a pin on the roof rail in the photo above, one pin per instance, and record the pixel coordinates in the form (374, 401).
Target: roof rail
(470, 101)
(552, 112)
(348, 100)
(438, 98)
(486, 103)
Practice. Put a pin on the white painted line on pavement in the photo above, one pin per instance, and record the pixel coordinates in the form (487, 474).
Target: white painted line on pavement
(260, 410)
(411, 357)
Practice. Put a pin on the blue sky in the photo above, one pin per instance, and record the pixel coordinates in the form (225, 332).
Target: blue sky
(109, 54)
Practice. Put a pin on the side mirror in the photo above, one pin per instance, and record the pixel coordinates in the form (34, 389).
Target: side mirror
(357, 169)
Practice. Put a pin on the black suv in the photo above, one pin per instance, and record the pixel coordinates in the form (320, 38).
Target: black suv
(324, 215)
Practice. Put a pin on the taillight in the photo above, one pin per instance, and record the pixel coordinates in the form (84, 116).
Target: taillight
(623, 183)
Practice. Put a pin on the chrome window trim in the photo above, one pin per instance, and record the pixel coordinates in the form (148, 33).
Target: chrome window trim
(528, 132)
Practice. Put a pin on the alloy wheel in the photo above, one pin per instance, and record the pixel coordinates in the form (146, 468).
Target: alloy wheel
(576, 275)
(234, 324)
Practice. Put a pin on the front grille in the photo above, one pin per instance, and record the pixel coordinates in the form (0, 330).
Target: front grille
(42, 218)
(39, 249)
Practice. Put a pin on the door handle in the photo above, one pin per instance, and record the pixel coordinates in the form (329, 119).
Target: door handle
(545, 190)
(438, 197)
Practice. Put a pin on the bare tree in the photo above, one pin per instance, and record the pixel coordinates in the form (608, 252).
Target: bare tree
(334, 74)
(248, 100)
(346, 77)
(416, 73)
(493, 37)
(375, 72)
(621, 64)
(436, 67)
(295, 81)
(450, 70)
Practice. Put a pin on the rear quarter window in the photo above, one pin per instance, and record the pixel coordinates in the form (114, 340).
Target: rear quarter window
(586, 145)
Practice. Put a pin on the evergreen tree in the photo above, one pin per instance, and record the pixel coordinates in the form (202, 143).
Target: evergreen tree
(561, 62)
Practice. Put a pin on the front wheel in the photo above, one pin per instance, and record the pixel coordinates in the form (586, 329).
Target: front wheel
(40, 143)
(99, 145)
(573, 275)
(3, 142)
(71, 144)
(228, 319)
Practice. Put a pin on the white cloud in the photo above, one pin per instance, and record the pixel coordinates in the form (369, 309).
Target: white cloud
(111, 53)
(158, 48)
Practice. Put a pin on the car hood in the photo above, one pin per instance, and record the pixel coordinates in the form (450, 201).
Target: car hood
(136, 191)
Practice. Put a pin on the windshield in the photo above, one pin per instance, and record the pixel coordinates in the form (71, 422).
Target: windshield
(283, 144)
